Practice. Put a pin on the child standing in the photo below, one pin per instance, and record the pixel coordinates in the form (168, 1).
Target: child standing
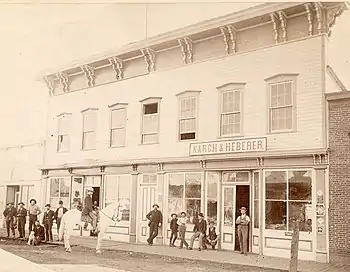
(173, 228)
(213, 236)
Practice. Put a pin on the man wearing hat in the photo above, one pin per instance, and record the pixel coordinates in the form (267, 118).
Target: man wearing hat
(21, 219)
(155, 218)
(10, 218)
(88, 212)
(200, 230)
(243, 222)
(49, 216)
(59, 214)
(33, 212)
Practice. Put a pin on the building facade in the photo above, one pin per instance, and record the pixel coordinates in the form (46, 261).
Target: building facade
(20, 177)
(207, 118)
(339, 175)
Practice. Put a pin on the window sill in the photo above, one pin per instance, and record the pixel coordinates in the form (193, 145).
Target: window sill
(116, 146)
(285, 131)
(88, 149)
(225, 137)
(186, 141)
(156, 143)
(62, 151)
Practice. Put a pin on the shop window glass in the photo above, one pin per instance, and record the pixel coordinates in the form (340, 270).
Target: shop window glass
(212, 197)
(77, 190)
(283, 208)
(228, 207)
(60, 190)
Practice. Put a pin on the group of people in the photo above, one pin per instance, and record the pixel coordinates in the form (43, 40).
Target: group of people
(15, 218)
(206, 236)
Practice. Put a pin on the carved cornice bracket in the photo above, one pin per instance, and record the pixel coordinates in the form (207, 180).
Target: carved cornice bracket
(274, 20)
(319, 11)
(260, 161)
(332, 15)
(134, 167)
(310, 17)
(203, 163)
(117, 65)
(160, 166)
(150, 57)
(50, 84)
(230, 36)
(283, 24)
(89, 74)
(63, 77)
(102, 169)
(44, 172)
(186, 49)
(322, 158)
(70, 171)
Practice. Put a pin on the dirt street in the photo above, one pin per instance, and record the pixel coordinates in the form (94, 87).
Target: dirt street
(133, 262)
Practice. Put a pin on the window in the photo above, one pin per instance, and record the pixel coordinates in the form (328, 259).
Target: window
(288, 197)
(281, 102)
(27, 194)
(63, 133)
(150, 120)
(212, 196)
(118, 189)
(256, 199)
(228, 206)
(77, 190)
(118, 123)
(89, 129)
(185, 192)
(188, 120)
(59, 190)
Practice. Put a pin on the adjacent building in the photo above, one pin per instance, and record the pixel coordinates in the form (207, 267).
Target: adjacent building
(226, 113)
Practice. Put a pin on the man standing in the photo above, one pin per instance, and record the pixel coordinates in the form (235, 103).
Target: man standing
(21, 219)
(243, 223)
(48, 218)
(10, 218)
(200, 229)
(33, 212)
(59, 214)
(88, 212)
(155, 218)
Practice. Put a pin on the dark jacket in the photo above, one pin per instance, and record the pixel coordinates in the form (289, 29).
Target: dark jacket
(48, 217)
(56, 212)
(154, 217)
(88, 205)
(173, 225)
(10, 213)
(200, 226)
(212, 234)
(22, 212)
(39, 231)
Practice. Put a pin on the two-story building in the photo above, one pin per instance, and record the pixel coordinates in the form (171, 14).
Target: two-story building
(225, 113)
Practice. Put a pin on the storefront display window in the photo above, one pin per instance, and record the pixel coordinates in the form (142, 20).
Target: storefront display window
(77, 190)
(212, 196)
(228, 206)
(185, 192)
(27, 194)
(288, 197)
(60, 190)
(118, 189)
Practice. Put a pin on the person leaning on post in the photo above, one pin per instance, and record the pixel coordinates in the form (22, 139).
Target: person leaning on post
(155, 218)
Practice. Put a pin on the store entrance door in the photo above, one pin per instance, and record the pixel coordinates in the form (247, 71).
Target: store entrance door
(242, 200)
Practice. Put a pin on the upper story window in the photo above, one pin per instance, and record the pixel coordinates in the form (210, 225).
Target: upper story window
(89, 129)
(231, 108)
(281, 97)
(118, 125)
(63, 132)
(188, 111)
(150, 120)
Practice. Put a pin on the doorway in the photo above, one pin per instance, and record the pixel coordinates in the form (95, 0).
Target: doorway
(96, 196)
(242, 200)
(12, 195)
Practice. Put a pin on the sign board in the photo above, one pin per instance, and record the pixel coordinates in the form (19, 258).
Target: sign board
(229, 146)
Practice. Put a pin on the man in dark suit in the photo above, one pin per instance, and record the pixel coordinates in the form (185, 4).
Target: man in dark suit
(59, 213)
(200, 230)
(10, 219)
(21, 219)
(155, 218)
(49, 216)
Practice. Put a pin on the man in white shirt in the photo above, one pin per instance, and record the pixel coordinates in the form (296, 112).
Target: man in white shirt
(243, 223)
(59, 214)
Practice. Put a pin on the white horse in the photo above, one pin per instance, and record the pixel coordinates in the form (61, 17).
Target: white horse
(72, 218)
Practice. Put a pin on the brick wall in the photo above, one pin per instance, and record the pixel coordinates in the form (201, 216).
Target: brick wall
(339, 178)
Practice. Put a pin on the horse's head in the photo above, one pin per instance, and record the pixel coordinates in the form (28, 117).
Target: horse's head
(116, 214)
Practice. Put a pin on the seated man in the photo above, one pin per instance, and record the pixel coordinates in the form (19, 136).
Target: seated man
(88, 214)
(37, 234)
(200, 229)
(213, 236)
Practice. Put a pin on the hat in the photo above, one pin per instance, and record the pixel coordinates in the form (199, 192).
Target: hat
(211, 222)
(48, 205)
(183, 213)
(173, 214)
(243, 208)
(60, 202)
(201, 215)
(90, 189)
(21, 203)
(32, 200)
(155, 205)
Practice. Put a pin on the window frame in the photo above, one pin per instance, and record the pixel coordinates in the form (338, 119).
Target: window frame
(59, 192)
(59, 133)
(231, 87)
(144, 102)
(276, 80)
(116, 107)
(287, 200)
(83, 113)
(189, 94)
